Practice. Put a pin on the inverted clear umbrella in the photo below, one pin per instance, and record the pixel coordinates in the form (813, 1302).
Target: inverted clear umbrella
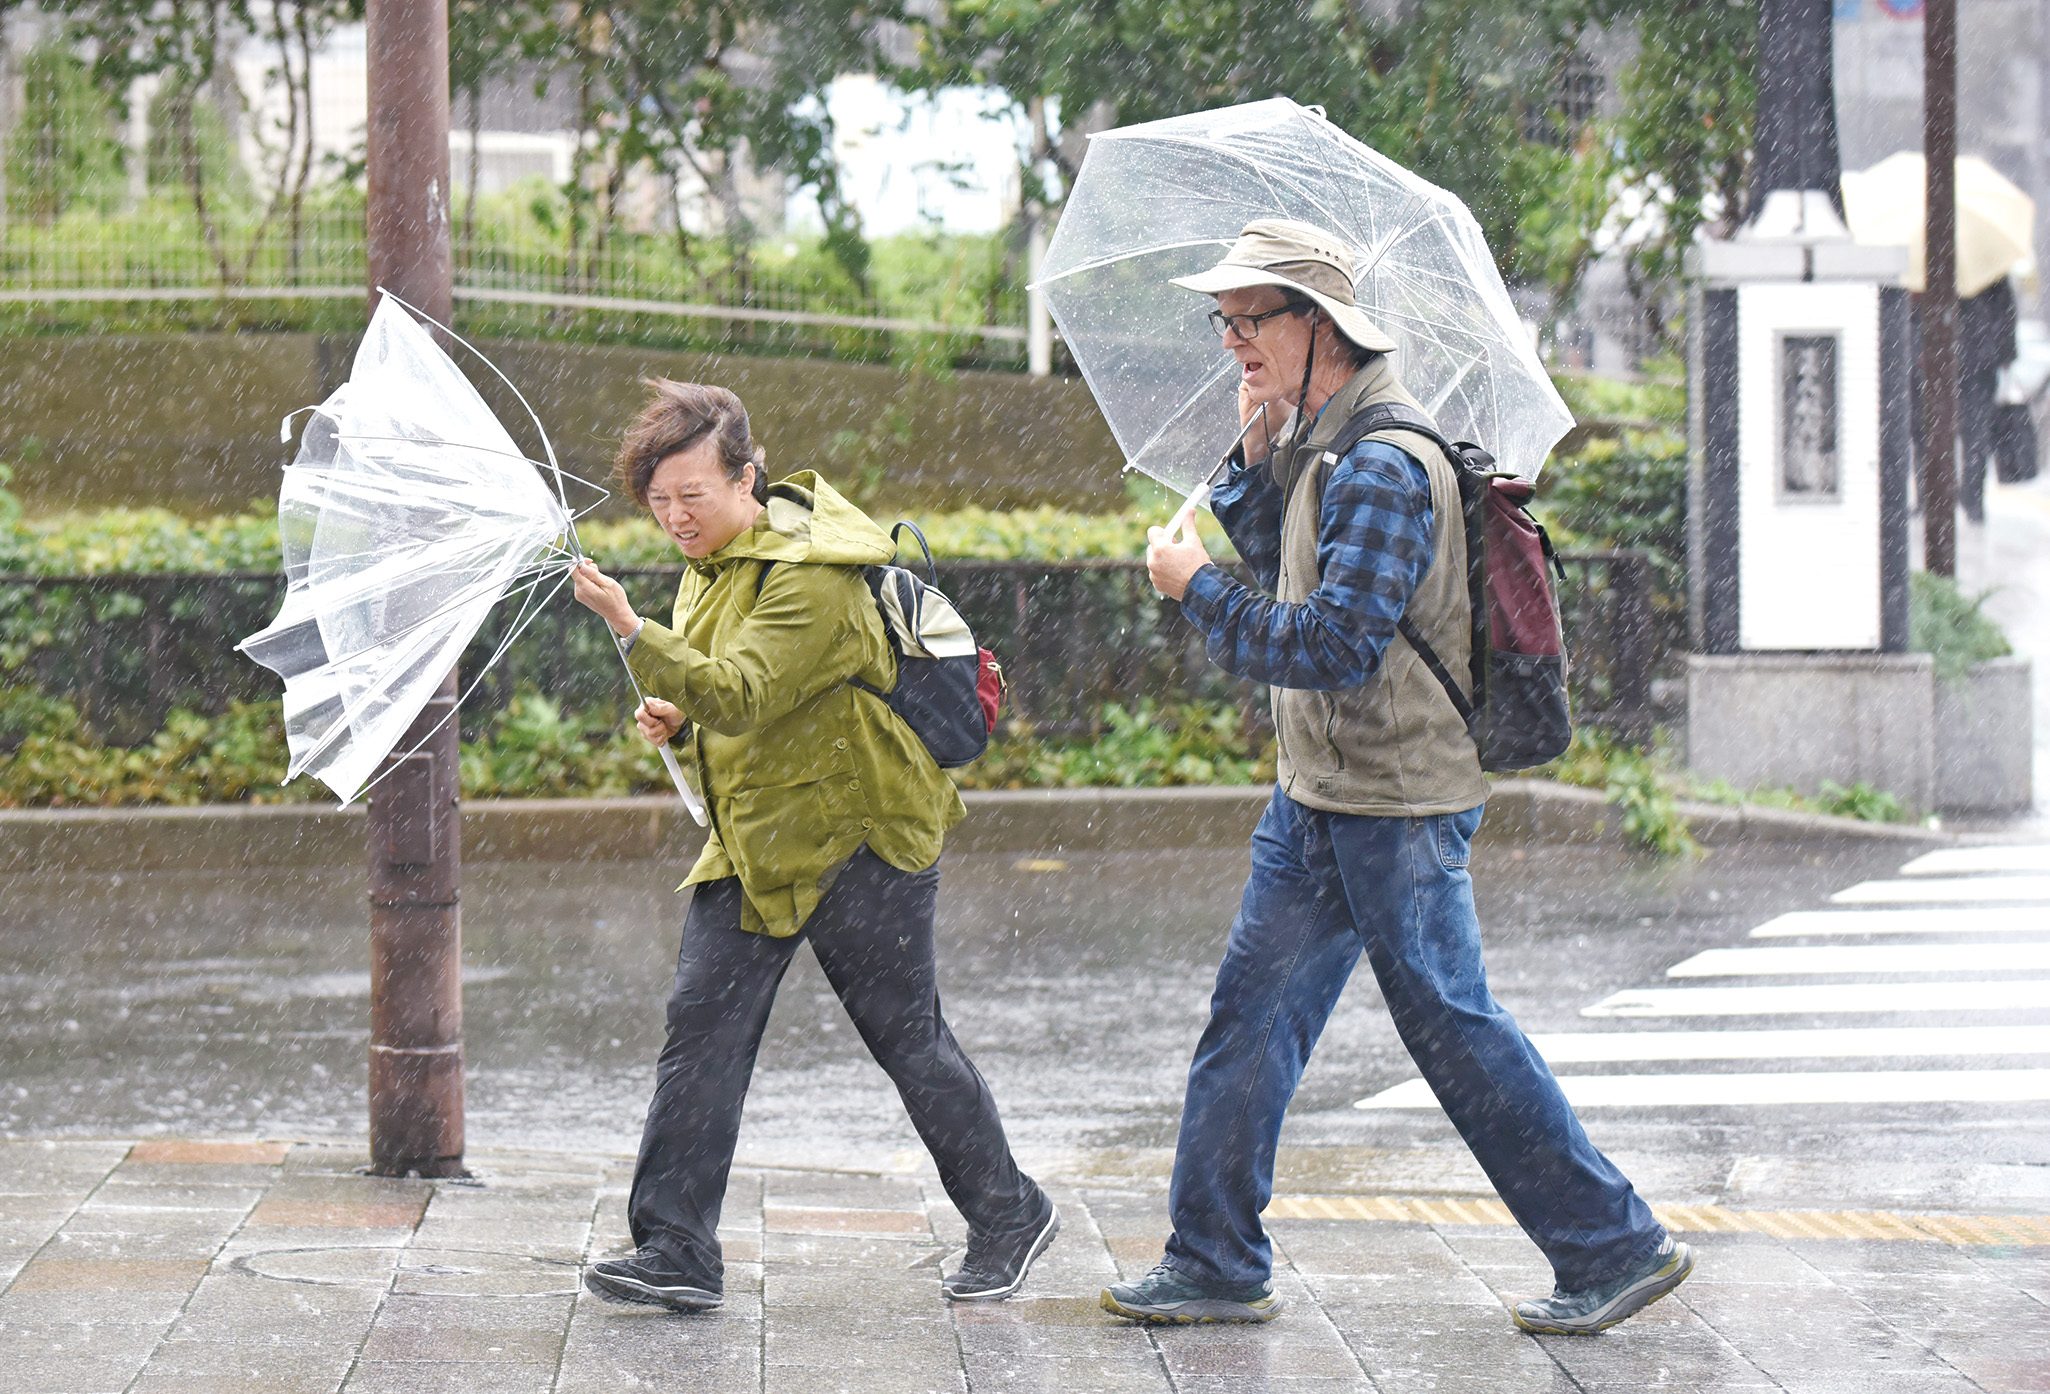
(1166, 198)
(408, 514)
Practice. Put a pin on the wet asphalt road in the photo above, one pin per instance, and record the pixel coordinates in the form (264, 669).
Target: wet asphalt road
(203, 1004)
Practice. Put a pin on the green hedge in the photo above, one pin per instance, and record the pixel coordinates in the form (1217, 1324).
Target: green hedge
(534, 749)
(155, 540)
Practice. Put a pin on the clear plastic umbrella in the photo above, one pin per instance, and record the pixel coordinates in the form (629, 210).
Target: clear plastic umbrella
(407, 516)
(1167, 198)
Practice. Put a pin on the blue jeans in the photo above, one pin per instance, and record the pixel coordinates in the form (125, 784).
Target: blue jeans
(1324, 887)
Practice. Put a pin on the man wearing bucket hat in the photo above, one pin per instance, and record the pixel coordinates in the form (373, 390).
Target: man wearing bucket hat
(1363, 848)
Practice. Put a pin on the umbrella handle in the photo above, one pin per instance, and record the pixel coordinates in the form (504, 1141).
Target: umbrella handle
(691, 802)
(1185, 516)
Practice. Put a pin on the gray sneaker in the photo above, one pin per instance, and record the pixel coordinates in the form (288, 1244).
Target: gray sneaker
(1167, 1296)
(1597, 1309)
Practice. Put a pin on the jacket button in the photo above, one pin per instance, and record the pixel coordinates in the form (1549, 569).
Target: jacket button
(865, 823)
(840, 744)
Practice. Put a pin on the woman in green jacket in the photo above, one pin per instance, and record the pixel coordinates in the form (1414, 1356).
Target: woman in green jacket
(826, 816)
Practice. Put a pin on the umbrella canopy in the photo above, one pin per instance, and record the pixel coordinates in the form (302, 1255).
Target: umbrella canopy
(407, 515)
(1996, 222)
(1167, 198)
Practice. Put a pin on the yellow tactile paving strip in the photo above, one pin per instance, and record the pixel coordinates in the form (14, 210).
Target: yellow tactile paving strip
(1781, 1224)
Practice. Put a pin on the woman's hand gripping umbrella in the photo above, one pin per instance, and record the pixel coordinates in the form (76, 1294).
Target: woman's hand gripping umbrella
(407, 516)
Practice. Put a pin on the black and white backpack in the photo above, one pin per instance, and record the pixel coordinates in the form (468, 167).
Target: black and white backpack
(949, 688)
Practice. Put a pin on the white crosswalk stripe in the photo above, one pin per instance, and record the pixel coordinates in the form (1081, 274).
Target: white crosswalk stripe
(1823, 1087)
(1947, 890)
(1963, 861)
(1990, 995)
(2026, 957)
(2002, 919)
(1825, 1043)
(1999, 894)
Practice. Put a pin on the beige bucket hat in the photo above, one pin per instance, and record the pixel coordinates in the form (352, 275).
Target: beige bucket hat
(1295, 256)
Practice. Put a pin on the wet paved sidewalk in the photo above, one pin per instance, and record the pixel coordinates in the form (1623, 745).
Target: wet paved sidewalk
(218, 1267)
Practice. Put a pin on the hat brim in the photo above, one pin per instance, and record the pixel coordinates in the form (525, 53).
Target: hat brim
(1351, 322)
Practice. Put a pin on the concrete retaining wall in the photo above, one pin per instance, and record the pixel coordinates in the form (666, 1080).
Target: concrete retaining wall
(1764, 720)
(190, 421)
(233, 837)
(1985, 734)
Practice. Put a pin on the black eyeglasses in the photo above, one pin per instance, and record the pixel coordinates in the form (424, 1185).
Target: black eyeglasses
(1248, 326)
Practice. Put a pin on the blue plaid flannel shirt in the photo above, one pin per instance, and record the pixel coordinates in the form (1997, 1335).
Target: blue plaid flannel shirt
(1373, 547)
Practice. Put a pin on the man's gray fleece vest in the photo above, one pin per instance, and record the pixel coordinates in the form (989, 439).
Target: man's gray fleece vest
(1394, 748)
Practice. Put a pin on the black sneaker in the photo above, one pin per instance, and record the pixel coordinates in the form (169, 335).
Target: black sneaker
(997, 1263)
(651, 1276)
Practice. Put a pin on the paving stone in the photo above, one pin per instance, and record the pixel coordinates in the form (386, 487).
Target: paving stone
(789, 1219)
(443, 1377)
(1842, 1258)
(827, 1287)
(841, 1190)
(194, 1177)
(464, 1343)
(338, 1214)
(1400, 1289)
(70, 1374)
(1234, 1384)
(111, 1308)
(208, 1152)
(560, 1239)
(613, 1348)
(840, 1378)
(1059, 1374)
(79, 1339)
(171, 1195)
(150, 1234)
(1254, 1357)
(110, 1275)
(881, 1350)
(36, 1209)
(234, 1306)
(244, 1368)
(866, 1251)
(469, 1273)
(274, 1238)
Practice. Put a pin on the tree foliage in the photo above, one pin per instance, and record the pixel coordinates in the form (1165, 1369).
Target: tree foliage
(1493, 99)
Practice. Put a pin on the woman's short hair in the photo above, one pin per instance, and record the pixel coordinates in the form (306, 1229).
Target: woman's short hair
(677, 417)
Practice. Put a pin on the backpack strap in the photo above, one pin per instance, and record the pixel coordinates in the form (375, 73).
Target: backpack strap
(932, 571)
(762, 577)
(1469, 471)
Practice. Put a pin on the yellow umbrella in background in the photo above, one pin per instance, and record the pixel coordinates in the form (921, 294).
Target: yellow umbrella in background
(1996, 222)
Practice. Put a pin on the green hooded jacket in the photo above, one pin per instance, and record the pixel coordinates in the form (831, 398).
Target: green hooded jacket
(797, 767)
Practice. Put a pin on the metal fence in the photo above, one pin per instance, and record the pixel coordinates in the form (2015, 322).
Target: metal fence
(158, 252)
(1072, 636)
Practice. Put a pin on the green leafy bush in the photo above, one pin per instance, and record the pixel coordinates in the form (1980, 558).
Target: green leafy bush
(1142, 746)
(236, 757)
(537, 751)
(1661, 396)
(1950, 626)
(155, 540)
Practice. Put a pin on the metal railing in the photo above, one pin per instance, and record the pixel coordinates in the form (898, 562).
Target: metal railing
(1072, 636)
(160, 254)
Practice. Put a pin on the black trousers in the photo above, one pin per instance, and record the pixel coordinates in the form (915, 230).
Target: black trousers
(873, 934)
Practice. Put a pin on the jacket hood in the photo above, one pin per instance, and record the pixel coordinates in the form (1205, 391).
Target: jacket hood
(807, 520)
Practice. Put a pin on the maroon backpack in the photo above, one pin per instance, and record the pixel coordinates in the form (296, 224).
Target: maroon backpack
(1518, 715)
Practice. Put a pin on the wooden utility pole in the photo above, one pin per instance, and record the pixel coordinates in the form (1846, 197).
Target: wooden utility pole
(1939, 367)
(414, 841)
